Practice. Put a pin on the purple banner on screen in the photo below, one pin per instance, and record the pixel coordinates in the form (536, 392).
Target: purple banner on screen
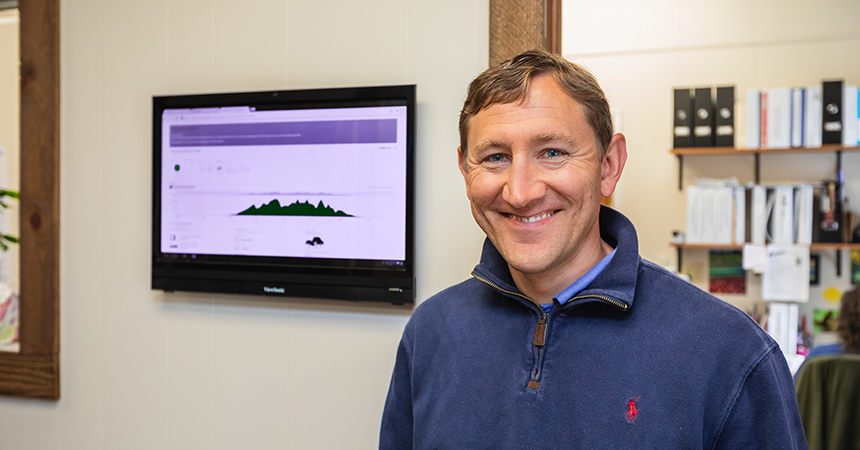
(285, 133)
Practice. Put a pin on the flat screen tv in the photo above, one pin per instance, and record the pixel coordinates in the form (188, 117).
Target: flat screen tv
(298, 193)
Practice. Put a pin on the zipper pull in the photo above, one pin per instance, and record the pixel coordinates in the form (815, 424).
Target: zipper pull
(540, 331)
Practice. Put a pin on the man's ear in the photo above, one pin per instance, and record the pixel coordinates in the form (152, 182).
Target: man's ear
(613, 164)
(461, 163)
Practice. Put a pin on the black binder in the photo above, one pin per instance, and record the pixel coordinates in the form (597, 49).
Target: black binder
(831, 97)
(703, 122)
(683, 130)
(725, 117)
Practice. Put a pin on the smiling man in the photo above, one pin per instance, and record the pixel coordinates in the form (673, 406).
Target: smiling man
(564, 337)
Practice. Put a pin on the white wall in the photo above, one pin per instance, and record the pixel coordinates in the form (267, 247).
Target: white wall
(142, 369)
(640, 51)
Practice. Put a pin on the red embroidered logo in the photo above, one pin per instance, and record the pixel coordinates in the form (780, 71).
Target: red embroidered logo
(631, 410)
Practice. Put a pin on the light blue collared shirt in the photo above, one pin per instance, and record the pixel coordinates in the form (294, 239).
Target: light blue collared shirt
(581, 283)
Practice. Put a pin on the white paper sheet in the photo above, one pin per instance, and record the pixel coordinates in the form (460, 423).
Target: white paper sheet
(754, 257)
(786, 274)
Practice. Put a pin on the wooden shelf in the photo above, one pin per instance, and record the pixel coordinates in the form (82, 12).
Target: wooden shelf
(837, 246)
(691, 151)
(709, 246)
(814, 246)
(836, 149)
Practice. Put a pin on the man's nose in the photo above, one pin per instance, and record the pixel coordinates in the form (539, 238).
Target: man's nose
(523, 184)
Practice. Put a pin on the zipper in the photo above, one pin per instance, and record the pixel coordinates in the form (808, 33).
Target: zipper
(506, 291)
(540, 329)
(605, 299)
(539, 342)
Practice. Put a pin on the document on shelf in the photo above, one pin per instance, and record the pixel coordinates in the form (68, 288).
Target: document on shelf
(786, 274)
(782, 327)
(758, 213)
(754, 257)
(812, 117)
(753, 119)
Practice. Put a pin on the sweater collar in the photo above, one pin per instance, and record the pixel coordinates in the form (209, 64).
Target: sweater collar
(617, 282)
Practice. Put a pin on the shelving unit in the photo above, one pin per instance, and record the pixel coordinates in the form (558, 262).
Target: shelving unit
(814, 246)
(836, 149)
(838, 247)
(757, 152)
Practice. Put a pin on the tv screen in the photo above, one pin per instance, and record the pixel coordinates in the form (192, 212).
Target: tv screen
(300, 193)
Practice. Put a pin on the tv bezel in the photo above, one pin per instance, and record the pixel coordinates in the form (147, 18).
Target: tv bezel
(266, 276)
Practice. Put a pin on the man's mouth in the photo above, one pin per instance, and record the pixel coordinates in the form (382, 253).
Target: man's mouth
(530, 219)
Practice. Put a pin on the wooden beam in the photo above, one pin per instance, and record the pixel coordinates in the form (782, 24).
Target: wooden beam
(520, 25)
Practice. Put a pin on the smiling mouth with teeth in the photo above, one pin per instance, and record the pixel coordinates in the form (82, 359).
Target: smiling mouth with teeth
(530, 219)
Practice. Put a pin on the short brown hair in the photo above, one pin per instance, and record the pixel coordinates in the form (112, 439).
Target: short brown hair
(848, 322)
(509, 82)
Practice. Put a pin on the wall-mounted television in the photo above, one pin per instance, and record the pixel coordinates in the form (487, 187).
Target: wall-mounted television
(297, 193)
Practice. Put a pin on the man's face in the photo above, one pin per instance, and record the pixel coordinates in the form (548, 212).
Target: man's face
(534, 176)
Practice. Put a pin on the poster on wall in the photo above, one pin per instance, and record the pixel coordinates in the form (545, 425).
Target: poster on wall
(726, 273)
(824, 320)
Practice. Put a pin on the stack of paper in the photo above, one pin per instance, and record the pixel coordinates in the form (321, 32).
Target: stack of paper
(716, 212)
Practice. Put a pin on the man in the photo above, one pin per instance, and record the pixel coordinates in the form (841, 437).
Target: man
(565, 337)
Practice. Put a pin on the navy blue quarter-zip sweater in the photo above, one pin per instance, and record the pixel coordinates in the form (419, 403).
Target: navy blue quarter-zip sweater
(638, 359)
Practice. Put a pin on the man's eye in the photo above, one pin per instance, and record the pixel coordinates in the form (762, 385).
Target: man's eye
(498, 157)
(552, 153)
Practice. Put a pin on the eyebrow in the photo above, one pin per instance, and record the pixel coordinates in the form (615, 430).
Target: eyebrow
(489, 143)
(540, 138)
(554, 137)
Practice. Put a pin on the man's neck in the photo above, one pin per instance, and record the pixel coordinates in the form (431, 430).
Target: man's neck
(543, 287)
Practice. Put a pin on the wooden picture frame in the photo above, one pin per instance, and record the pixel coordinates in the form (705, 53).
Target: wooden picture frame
(34, 371)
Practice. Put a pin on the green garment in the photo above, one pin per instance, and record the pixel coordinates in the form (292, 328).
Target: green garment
(828, 394)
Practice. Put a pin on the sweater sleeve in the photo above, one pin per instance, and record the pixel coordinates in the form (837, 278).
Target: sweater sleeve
(765, 414)
(396, 430)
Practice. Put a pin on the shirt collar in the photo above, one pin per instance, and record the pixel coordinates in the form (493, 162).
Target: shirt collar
(617, 282)
(584, 280)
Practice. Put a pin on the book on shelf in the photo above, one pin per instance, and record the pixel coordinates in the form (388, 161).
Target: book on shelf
(723, 212)
(776, 110)
(831, 99)
(704, 117)
(713, 212)
(753, 119)
(703, 121)
(804, 199)
(694, 215)
(683, 119)
(797, 113)
(849, 108)
(725, 116)
(781, 209)
(811, 116)
(739, 234)
(758, 217)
